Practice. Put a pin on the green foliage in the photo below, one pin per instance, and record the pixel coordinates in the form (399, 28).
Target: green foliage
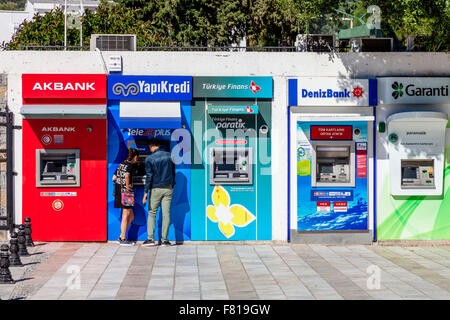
(43, 30)
(226, 22)
(17, 5)
(424, 17)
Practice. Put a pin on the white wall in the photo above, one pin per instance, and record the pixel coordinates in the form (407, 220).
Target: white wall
(10, 21)
(276, 65)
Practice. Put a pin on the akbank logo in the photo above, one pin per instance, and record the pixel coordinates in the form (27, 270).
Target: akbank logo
(125, 90)
(398, 90)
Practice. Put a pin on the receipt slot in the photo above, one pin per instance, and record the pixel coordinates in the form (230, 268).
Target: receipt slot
(416, 152)
(333, 164)
(231, 166)
(57, 167)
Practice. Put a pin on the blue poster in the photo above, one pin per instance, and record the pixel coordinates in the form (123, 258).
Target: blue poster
(331, 205)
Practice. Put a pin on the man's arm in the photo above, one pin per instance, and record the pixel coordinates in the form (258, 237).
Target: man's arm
(173, 172)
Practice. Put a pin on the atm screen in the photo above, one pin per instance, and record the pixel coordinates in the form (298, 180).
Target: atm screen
(325, 168)
(409, 172)
(56, 166)
(226, 167)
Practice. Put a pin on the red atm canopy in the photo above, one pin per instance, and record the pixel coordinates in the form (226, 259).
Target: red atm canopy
(64, 89)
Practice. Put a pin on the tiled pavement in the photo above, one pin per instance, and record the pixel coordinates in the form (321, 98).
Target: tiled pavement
(238, 272)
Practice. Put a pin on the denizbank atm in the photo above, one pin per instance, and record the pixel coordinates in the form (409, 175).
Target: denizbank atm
(140, 108)
(231, 159)
(331, 160)
(413, 159)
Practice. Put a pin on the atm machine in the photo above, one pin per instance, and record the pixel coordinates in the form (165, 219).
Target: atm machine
(333, 164)
(139, 174)
(64, 175)
(332, 175)
(416, 153)
(231, 166)
(57, 167)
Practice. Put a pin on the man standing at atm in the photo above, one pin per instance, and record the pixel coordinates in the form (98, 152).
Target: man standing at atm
(160, 170)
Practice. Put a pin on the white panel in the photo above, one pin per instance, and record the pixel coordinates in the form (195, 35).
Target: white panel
(146, 109)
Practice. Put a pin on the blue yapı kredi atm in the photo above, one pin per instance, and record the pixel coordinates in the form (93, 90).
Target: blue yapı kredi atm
(133, 119)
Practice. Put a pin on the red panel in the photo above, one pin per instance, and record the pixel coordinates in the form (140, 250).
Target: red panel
(66, 217)
(64, 88)
(361, 160)
(331, 133)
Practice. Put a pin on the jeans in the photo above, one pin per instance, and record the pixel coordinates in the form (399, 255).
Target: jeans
(159, 196)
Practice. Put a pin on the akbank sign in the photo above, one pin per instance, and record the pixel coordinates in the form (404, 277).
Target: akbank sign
(172, 88)
(414, 90)
(322, 91)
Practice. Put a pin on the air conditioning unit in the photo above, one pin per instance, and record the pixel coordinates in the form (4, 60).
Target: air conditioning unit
(371, 44)
(314, 42)
(113, 42)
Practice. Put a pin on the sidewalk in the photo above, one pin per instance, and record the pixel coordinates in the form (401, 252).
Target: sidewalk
(202, 272)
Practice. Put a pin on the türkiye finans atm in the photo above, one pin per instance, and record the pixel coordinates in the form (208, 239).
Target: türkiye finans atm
(64, 156)
(330, 145)
(416, 153)
(231, 159)
(141, 108)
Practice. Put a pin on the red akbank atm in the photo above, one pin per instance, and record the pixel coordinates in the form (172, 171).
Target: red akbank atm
(64, 156)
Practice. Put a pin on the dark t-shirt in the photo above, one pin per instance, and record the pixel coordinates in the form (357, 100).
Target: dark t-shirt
(122, 169)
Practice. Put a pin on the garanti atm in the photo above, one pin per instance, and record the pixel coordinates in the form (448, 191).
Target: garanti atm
(64, 156)
(416, 152)
(141, 108)
(330, 151)
(413, 158)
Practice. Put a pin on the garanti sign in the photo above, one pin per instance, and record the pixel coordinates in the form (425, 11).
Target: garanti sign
(414, 90)
(320, 91)
(174, 88)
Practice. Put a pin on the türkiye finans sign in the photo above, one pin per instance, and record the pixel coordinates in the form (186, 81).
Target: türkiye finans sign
(233, 87)
(410, 90)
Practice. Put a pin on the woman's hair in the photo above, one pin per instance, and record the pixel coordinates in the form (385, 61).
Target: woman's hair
(132, 153)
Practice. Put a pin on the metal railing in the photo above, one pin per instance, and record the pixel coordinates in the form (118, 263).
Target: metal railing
(6, 170)
(178, 48)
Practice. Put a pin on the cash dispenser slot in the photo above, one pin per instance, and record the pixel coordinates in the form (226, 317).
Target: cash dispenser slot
(417, 173)
(334, 165)
(57, 167)
(231, 166)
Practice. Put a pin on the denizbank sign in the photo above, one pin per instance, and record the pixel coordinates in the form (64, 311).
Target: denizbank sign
(233, 87)
(321, 91)
(175, 88)
(414, 90)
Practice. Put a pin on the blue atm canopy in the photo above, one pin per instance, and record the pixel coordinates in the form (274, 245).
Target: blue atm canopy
(147, 114)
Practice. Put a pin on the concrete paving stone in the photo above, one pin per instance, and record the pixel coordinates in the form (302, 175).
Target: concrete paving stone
(186, 296)
(159, 296)
(100, 292)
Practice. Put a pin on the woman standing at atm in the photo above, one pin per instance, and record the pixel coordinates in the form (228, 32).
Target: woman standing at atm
(124, 194)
